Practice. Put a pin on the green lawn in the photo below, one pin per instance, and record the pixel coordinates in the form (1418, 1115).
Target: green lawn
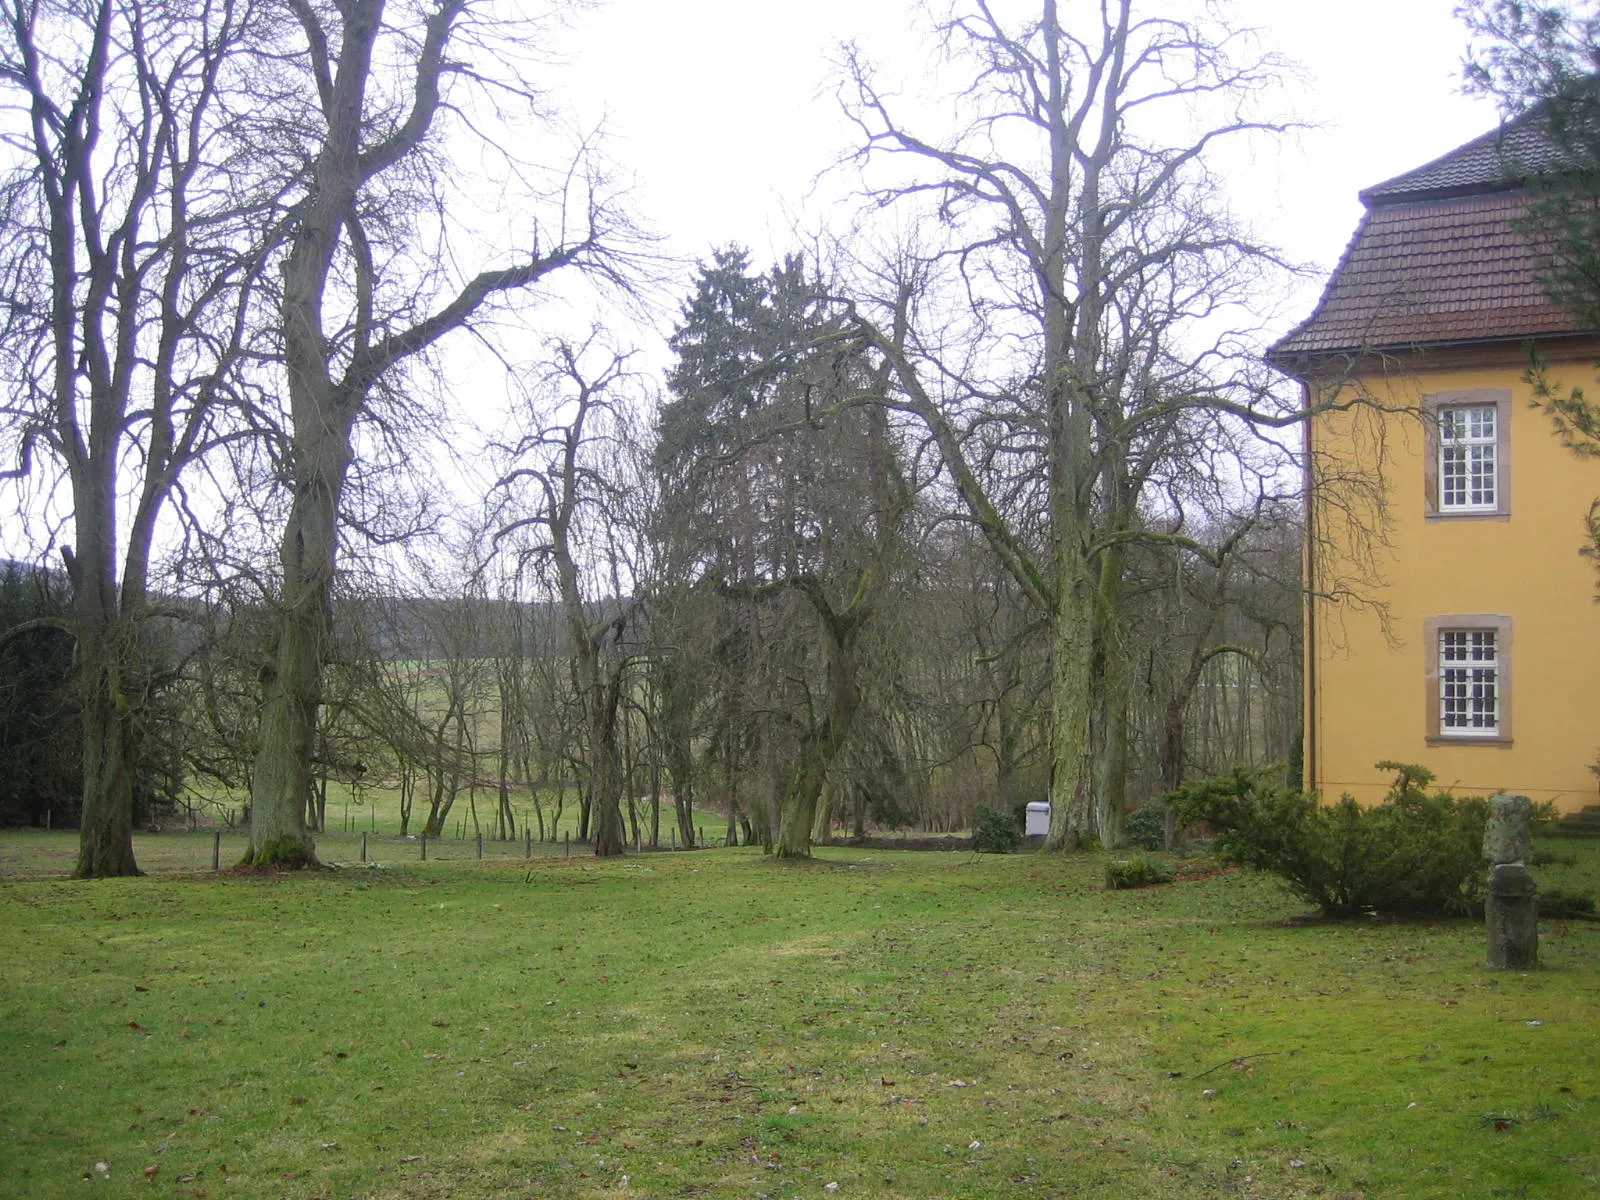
(714, 1024)
(41, 854)
(375, 809)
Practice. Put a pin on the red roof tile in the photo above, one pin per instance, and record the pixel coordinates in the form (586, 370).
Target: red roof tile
(1503, 158)
(1439, 271)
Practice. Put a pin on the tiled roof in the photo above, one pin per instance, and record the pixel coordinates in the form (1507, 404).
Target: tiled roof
(1441, 257)
(1501, 159)
(1430, 273)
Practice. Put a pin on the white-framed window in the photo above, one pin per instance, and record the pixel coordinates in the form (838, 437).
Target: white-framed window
(1468, 463)
(1469, 681)
(1468, 453)
(1469, 678)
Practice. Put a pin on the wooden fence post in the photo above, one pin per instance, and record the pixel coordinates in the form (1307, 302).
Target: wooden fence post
(216, 849)
(363, 846)
(424, 847)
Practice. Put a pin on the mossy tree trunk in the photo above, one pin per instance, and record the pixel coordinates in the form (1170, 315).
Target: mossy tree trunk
(292, 675)
(820, 745)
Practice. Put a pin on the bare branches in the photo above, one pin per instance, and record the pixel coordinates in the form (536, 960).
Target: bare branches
(1081, 399)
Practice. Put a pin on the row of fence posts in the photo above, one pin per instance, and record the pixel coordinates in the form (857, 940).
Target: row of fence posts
(527, 845)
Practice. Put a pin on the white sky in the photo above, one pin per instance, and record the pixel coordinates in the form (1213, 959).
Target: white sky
(722, 111)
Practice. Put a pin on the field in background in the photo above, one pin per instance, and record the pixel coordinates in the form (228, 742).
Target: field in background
(40, 854)
(186, 843)
(719, 1025)
(376, 810)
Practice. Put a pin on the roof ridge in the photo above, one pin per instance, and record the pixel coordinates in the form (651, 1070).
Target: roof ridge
(1503, 159)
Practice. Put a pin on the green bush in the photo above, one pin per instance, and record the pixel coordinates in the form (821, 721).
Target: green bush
(994, 831)
(1550, 858)
(1415, 853)
(1558, 903)
(1135, 873)
(1147, 828)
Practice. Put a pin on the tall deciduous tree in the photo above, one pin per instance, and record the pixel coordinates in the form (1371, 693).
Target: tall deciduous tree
(362, 296)
(567, 496)
(1096, 253)
(128, 269)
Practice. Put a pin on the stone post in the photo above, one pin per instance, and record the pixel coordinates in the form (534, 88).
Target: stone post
(1511, 910)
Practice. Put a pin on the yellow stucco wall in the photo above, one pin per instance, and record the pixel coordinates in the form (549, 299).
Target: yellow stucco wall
(1367, 686)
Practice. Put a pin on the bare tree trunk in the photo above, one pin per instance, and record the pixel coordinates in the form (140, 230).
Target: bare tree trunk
(105, 843)
(1071, 776)
(1111, 679)
(292, 676)
(822, 826)
(605, 782)
(655, 801)
(799, 807)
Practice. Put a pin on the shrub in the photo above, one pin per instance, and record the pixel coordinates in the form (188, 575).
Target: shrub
(1147, 828)
(1415, 853)
(1136, 873)
(994, 831)
(1549, 858)
(1558, 903)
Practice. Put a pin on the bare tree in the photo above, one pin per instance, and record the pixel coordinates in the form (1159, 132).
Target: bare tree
(567, 473)
(357, 305)
(1100, 257)
(128, 271)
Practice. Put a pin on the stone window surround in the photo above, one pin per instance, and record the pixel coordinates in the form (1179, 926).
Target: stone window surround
(1431, 628)
(1500, 398)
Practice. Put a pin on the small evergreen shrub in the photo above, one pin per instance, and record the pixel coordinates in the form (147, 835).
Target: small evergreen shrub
(1135, 873)
(994, 831)
(1549, 858)
(1558, 904)
(1147, 828)
(1417, 852)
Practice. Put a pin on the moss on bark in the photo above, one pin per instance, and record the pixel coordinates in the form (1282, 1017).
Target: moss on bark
(290, 852)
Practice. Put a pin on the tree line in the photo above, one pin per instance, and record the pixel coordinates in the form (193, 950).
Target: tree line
(985, 502)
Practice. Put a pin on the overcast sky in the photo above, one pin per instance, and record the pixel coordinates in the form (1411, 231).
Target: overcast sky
(722, 111)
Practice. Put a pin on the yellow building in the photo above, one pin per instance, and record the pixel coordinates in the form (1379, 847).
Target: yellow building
(1452, 621)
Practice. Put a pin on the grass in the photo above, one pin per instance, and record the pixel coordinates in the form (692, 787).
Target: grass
(375, 809)
(718, 1025)
(40, 854)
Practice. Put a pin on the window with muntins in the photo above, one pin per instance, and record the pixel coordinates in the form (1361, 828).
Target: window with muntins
(1469, 682)
(1467, 463)
(1468, 454)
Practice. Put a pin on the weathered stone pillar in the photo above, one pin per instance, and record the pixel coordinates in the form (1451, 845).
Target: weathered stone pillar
(1511, 909)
